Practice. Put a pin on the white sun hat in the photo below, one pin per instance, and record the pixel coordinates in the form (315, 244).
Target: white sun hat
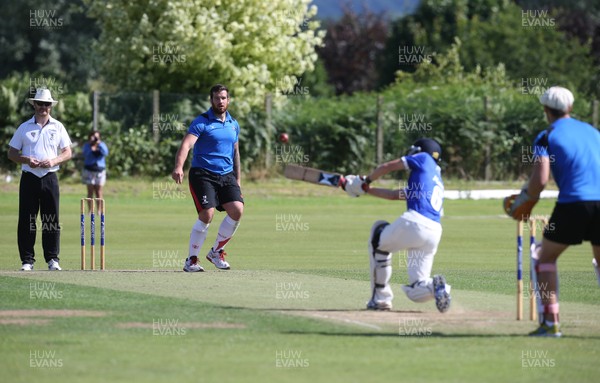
(43, 95)
(558, 98)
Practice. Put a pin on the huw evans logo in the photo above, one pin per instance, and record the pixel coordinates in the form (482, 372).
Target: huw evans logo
(290, 222)
(290, 359)
(44, 359)
(44, 290)
(536, 18)
(290, 290)
(45, 19)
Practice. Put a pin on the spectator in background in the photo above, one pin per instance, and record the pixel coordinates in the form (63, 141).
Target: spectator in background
(94, 165)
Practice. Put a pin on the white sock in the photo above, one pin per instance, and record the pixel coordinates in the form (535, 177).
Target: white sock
(226, 231)
(197, 237)
(597, 269)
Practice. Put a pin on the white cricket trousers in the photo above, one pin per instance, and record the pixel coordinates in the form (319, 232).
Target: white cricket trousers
(416, 237)
(419, 236)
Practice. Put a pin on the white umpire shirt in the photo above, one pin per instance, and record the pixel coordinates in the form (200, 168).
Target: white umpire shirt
(41, 143)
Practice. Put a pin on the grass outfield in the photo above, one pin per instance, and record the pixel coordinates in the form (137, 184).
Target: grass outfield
(291, 308)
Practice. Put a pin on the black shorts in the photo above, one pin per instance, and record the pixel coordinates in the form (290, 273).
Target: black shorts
(213, 190)
(573, 223)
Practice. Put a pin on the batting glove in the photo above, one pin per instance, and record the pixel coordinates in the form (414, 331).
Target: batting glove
(354, 185)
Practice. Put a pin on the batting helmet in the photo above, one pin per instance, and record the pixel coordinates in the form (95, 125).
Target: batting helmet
(426, 145)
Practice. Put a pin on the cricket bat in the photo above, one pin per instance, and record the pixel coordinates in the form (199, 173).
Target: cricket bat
(314, 176)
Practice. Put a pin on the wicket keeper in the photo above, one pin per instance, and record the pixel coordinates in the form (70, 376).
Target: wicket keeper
(418, 230)
(214, 178)
(570, 149)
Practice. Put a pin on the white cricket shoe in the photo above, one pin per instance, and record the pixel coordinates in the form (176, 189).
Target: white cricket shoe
(379, 306)
(53, 265)
(26, 267)
(218, 259)
(441, 293)
(191, 265)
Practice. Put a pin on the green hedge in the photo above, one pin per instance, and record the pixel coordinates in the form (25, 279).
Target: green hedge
(336, 133)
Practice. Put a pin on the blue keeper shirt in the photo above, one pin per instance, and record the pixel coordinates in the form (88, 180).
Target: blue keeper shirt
(214, 149)
(425, 189)
(573, 149)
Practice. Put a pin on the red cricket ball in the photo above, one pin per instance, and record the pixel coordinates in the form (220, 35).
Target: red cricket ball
(284, 138)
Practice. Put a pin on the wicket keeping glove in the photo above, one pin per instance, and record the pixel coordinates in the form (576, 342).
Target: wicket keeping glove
(519, 206)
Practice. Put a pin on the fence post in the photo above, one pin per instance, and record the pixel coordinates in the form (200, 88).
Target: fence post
(95, 110)
(488, 145)
(595, 113)
(379, 129)
(156, 114)
(269, 127)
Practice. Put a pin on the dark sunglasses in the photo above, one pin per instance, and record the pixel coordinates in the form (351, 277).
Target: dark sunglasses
(40, 103)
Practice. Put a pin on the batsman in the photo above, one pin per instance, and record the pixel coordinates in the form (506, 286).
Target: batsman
(417, 231)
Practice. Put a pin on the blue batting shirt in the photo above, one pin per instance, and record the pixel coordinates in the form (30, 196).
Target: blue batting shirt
(214, 149)
(573, 148)
(425, 189)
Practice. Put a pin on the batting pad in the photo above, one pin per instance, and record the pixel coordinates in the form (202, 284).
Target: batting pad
(380, 264)
(381, 273)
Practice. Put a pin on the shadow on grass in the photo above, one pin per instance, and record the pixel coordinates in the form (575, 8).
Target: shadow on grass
(323, 310)
(433, 335)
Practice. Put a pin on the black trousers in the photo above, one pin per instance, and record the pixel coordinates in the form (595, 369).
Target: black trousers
(38, 195)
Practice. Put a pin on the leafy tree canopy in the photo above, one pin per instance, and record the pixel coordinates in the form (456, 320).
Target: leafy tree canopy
(530, 45)
(252, 46)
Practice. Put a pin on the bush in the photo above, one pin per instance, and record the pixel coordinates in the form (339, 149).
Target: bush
(334, 133)
(484, 122)
(14, 110)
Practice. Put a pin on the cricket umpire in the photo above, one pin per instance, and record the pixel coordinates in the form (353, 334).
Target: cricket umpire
(40, 145)
(418, 230)
(570, 150)
(214, 178)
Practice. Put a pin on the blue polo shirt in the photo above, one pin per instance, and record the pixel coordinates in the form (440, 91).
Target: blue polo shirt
(573, 148)
(214, 149)
(425, 189)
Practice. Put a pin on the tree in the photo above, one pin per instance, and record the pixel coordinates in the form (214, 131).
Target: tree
(431, 28)
(253, 46)
(532, 48)
(530, 52)
(351, 49)
(579, 19)
(483, 120)
(47, 39)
